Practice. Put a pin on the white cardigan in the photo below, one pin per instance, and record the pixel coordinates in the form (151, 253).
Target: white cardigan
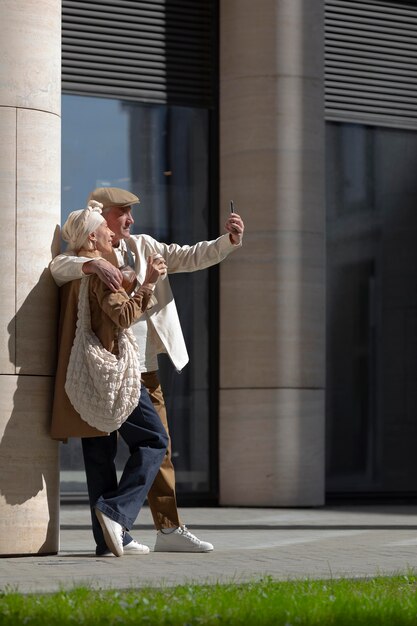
(163, 315)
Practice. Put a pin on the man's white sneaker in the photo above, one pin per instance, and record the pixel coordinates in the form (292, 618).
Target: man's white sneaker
(180, 540)
(112, 531)
(135, 549)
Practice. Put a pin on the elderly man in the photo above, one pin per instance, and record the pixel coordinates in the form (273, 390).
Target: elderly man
(158, 331)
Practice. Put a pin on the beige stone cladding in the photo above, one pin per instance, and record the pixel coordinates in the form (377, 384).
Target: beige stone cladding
(30, 93)
(272, 293)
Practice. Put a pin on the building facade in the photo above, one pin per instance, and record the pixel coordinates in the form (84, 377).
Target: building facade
(303, 343)
(371, 197)
(168, 99)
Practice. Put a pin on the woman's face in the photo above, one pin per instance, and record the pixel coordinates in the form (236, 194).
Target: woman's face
(104, 238)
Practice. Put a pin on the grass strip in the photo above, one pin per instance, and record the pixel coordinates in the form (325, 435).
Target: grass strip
(390, 601)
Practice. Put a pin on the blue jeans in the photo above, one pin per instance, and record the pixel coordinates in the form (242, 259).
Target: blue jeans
(147, 440)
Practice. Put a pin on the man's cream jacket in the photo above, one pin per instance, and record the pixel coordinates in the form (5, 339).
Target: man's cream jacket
(163, 315)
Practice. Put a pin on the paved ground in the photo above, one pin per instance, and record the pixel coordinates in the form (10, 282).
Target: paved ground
(249, 543)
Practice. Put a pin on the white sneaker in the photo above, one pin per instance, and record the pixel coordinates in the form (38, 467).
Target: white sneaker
(180, 540)
(112, 531)
(135, 549)
(131, 549)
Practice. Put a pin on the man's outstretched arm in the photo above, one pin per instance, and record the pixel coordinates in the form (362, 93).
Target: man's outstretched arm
(204, 253)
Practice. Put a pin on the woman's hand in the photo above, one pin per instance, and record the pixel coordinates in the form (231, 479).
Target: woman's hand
(156, 269)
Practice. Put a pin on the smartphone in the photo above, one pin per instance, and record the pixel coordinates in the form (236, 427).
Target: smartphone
(232, 210)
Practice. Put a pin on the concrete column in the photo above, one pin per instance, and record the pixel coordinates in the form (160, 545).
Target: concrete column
(273, 290)
(30, 92)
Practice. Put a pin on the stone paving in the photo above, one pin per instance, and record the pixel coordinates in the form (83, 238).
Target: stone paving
(331, 541)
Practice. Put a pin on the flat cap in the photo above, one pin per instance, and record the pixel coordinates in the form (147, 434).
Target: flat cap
(113, 196)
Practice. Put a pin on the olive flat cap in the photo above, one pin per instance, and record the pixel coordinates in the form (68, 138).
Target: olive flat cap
(113, 196)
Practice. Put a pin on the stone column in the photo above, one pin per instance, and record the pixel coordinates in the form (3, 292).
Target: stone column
(30, 92)
(273, 290)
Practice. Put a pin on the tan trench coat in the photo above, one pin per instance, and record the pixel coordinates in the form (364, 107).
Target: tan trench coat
(109, 312)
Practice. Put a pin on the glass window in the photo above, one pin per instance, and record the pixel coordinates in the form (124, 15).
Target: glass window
(160, 153)
(371, 309)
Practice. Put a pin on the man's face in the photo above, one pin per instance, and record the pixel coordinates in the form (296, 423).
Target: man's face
(119, 220)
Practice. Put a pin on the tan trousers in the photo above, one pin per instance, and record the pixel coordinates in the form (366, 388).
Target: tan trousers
(161, 497)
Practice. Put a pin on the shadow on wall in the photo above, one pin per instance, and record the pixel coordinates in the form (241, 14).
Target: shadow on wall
(29, 459)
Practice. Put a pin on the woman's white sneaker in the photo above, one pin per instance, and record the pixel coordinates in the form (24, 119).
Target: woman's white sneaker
(112, 531)
(180, 540)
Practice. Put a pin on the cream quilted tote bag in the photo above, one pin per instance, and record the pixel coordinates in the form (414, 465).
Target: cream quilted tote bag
(102, 387)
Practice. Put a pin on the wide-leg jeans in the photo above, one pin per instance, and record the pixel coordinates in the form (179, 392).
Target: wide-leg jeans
(147, 441)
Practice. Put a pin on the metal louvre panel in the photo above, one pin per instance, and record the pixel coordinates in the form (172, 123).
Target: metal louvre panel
(151, 51)
(371, 62)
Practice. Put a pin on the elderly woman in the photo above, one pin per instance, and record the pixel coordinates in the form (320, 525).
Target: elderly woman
(114, 506)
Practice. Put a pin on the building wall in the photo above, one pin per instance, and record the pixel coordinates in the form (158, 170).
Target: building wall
(371, 196)
(29, 206)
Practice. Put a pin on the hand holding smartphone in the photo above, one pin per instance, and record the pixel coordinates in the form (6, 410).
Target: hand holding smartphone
(232, 210)
(235, 225)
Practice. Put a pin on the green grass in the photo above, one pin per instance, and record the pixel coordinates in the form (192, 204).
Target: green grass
(370, 602)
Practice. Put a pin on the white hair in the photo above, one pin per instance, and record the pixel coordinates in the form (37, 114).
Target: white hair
(80, 224)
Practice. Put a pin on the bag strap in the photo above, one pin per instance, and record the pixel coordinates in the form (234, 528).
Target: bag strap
(84, 314)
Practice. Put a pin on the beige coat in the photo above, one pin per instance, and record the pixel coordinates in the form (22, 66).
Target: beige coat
(109, 312)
